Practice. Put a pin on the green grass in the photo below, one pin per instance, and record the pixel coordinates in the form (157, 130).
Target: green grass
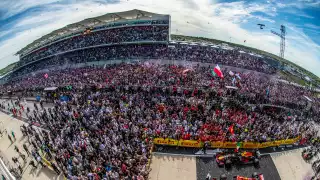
(7, 69)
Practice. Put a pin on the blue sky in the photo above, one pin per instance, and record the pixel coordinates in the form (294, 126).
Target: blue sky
(23, 21)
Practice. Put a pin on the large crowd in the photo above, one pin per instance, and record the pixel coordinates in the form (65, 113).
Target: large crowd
(111, 36)
(106, 127)
(142, 39)
(203, 54)
(254, 86)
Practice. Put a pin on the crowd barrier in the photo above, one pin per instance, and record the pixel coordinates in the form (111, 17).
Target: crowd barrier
(223, 145)
(5, 173)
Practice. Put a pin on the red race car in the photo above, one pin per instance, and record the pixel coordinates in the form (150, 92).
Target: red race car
(255, 176)
(245, 157)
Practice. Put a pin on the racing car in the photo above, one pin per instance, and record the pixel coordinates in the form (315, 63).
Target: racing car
(255, 176)
(245, 157)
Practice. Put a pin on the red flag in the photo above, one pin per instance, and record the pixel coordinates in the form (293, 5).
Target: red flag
(231, 129)
(218, 71)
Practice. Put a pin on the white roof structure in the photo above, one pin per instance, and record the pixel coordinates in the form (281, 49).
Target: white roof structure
(90, 23)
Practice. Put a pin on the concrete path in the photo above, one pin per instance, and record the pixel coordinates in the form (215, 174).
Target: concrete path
(173, 168)
(7, 150)
(25, 104)
(291, 166)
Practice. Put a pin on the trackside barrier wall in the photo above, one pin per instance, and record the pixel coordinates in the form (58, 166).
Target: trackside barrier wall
(218, 144)
(4, 172)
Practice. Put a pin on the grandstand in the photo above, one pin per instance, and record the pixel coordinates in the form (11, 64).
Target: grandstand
(123, 36)
(129, 27)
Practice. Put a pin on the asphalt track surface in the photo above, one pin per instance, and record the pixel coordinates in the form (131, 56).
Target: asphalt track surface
(207, 165)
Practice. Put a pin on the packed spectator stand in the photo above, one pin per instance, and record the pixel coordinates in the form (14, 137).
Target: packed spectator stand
(102, 37)
(114, 111)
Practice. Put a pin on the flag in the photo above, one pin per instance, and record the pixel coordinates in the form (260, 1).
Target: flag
(233, 81)
(184, 72)
(238, 76)
(213, 73)
(238, 145)
(231, 129)
(218, 71)
(46, 75)
(231, 73)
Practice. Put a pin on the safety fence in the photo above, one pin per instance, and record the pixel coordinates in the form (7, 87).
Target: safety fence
(4, 171)
(219, 144)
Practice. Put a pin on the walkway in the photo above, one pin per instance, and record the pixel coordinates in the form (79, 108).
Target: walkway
(7, 151)
(173, 168)
(291, 166)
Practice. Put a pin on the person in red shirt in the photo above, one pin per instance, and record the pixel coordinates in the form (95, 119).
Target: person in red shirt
(194, 108)
(185, 92)
(185, 109)
(174, 89)
(123, 168)
(75, 114)
(187, 136)
(14, 111)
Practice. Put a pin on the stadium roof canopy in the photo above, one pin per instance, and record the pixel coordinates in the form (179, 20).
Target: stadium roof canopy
(89, 23)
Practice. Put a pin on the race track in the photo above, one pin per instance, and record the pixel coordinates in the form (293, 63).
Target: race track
(291, 166)
(207, 165)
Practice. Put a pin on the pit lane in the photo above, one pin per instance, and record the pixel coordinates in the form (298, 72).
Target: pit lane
(207, 165)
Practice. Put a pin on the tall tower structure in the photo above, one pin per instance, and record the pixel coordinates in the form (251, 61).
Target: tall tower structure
(282, 35)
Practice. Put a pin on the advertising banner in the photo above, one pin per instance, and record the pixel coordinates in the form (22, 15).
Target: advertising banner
(265, 144)
(276, 143)
(170, 142)
(216, 144)
(219, 144)
(46, 162)
(288, 141)
(189, 143)
(250, 145)
(230, 145)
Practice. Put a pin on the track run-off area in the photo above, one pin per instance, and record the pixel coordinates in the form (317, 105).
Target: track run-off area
(287, 165)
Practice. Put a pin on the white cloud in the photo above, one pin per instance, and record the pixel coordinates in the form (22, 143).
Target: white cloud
(189, 17)
(12, 7)
(312, 26)
(300, 4)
